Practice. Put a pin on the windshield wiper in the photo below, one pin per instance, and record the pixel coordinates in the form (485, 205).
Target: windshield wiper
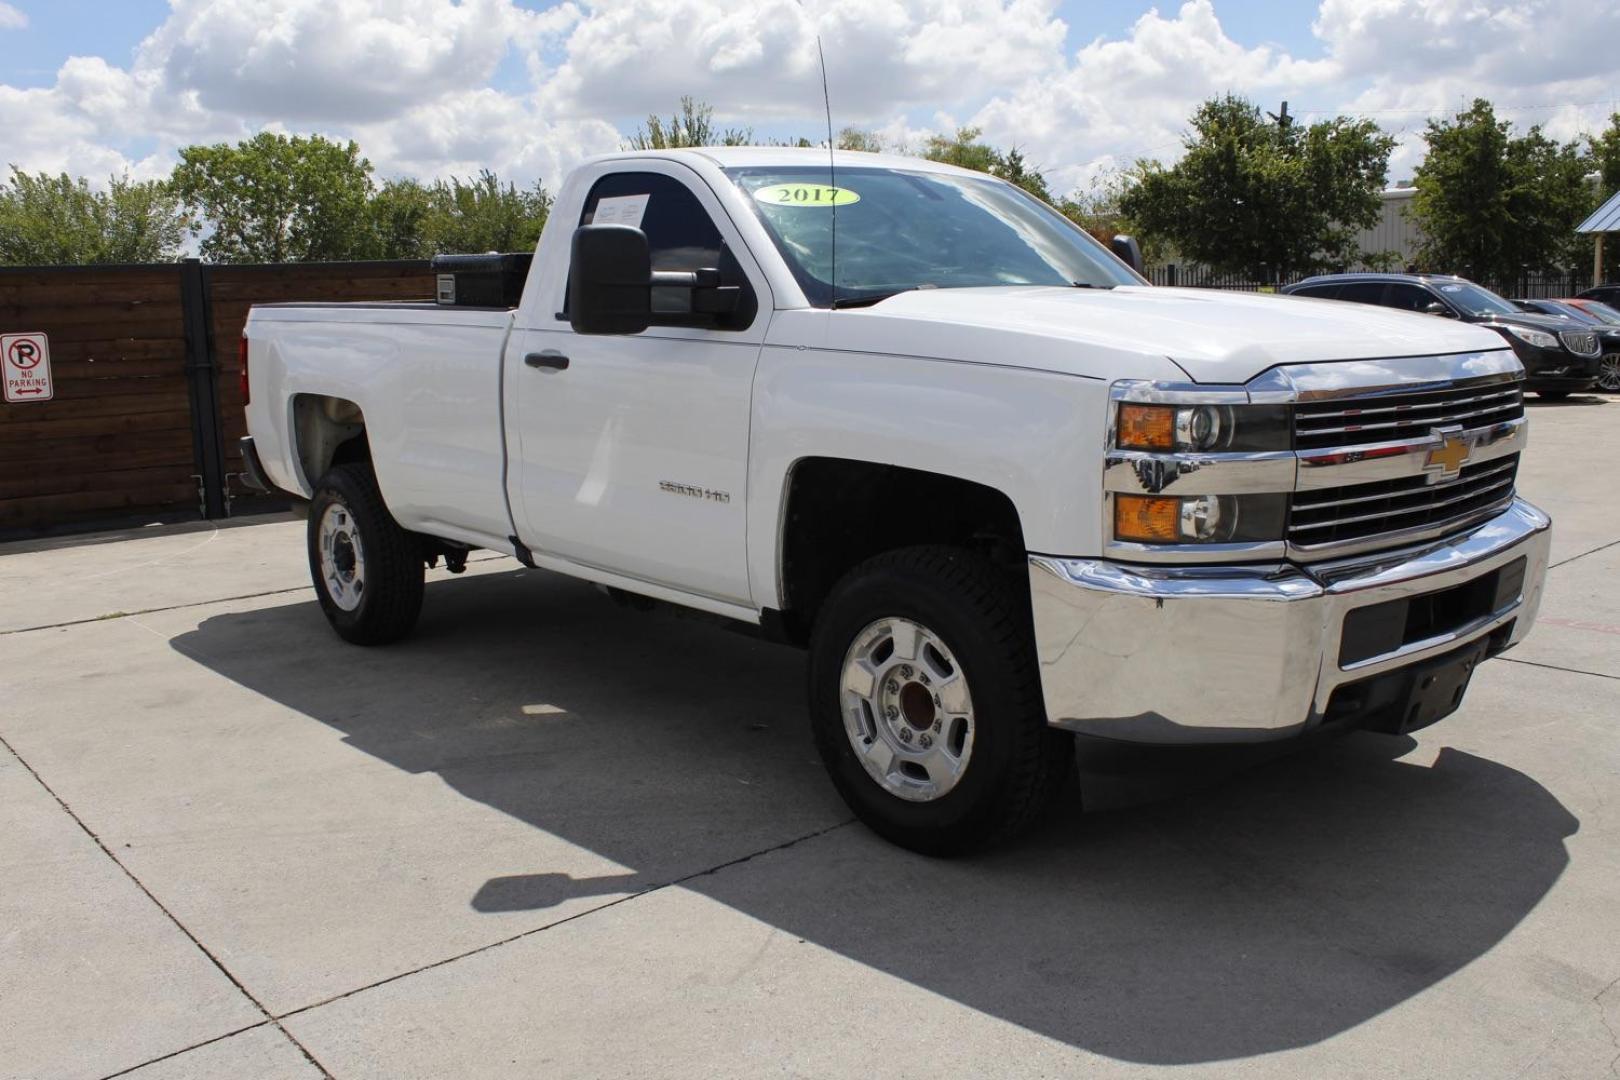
(870, 298)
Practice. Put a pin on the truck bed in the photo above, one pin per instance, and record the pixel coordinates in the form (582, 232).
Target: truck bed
(428, 380)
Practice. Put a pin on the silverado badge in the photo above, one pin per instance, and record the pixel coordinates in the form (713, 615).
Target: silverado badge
(1447, 459)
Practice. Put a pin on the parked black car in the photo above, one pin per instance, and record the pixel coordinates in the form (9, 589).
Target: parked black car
(1600, 317)
(1608, 294)
(1559, 359)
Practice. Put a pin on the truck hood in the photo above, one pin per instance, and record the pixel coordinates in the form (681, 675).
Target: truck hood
(1214, 336)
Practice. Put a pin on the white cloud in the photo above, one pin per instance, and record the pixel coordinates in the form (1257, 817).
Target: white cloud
(11, 18)
(412, 80)
(1120, 99)
(758, 59)
(328, 60)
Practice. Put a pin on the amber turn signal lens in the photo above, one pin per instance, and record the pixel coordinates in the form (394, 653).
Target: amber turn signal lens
(1147, 519)
(1146, 427)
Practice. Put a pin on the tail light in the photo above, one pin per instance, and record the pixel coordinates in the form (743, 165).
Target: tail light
(242, 358)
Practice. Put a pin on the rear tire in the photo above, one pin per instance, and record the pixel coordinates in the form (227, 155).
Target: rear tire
(367, 570)
(930, 643)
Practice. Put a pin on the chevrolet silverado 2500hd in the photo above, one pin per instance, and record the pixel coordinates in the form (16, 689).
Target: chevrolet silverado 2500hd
(910, 418)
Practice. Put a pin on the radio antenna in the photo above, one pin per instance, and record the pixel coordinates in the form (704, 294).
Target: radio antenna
(832, 170)
(832, 167)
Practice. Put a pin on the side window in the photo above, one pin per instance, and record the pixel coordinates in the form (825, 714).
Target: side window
(1363, 292)
(680, 236)
(1319, 292)
(1410, 297)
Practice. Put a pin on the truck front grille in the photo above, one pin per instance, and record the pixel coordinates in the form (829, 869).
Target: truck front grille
(1359, 511)
(1319, 425)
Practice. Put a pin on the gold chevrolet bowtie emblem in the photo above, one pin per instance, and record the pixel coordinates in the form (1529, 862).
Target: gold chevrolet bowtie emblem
(1449, 457)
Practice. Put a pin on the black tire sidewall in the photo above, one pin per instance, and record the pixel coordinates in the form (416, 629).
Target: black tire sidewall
(963, 816)
(392, 561)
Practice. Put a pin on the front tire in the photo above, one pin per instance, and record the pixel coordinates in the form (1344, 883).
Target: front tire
(367, 570)
(1608, 378)
(925, 702)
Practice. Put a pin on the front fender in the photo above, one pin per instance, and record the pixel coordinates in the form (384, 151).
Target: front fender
(1034, 436)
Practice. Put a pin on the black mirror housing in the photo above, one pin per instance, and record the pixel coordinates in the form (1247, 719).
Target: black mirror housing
(1435, 307)
(609, 280)
(1128, 251)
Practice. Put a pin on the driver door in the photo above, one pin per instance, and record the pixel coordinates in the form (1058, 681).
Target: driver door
(634, 456)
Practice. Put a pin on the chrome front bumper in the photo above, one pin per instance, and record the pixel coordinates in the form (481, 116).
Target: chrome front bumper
(1189, 654)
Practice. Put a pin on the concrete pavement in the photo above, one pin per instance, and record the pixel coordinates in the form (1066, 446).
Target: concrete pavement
(547, 836)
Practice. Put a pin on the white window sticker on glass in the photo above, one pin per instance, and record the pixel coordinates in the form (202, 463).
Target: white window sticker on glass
(621, 210)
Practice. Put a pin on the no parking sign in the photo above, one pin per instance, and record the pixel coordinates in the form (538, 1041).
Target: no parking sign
(26, 360)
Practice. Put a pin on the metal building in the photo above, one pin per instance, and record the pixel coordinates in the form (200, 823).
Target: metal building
(1395, 232)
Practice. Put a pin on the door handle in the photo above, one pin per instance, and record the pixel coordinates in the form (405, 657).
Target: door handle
(547, 358)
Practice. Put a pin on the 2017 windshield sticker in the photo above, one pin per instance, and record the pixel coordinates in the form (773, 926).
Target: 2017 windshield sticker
(808, 195)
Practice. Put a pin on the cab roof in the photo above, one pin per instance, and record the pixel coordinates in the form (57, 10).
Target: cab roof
(736, 157)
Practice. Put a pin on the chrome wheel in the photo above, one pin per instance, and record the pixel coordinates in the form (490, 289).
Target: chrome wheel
(1609, 372)
(343, 558)
(907, 709)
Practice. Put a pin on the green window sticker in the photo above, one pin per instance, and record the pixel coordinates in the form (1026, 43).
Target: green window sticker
(805, 195)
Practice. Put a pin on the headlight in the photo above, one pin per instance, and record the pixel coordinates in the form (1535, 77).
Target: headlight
(1199, 519)
(1203, 428)
(1539, 338)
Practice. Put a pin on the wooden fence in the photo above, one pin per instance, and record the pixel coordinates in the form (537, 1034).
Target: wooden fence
(147, 406)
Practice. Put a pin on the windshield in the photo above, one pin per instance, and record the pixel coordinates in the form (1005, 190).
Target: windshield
(900, 230)
(1602, 312)
(1473, 300)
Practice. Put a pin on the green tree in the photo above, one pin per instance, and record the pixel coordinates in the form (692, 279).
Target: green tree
(58, 220)
(1606, 158)
(397, 219)
(964, 150)
(852, 138)
(274, 198)
(1263, 198)
(691, 125)
(1493, 206)
(483, 214)
(1098, 211)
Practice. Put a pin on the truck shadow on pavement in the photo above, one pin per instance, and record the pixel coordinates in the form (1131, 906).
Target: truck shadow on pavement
(1228, 904)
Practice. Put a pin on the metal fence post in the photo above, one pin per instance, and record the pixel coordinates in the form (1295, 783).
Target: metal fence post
(202, 378)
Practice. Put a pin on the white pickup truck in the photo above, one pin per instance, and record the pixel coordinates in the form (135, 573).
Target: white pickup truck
(916, 421)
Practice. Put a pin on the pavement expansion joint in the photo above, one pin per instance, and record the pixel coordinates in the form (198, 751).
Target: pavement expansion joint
(187, 1049)
(113, 616)
(1584, 554)
(182, 927)
(1555, 667)
(784, 845)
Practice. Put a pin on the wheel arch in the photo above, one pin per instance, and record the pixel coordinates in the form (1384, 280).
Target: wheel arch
(837, 512)
(326, 430)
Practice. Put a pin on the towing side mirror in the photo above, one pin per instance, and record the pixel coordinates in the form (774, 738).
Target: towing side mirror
(610, 280)
(1129, 252)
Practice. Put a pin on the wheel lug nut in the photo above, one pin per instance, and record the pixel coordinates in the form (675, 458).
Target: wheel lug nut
(937, 726)
(892, 687)
(891, 713)
(905, 734)
(905, 671)
(926, 741)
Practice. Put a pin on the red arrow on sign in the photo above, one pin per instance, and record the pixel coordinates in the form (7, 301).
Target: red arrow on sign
(35, 390)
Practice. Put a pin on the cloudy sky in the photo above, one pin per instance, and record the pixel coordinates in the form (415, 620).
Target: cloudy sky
(431, 87)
